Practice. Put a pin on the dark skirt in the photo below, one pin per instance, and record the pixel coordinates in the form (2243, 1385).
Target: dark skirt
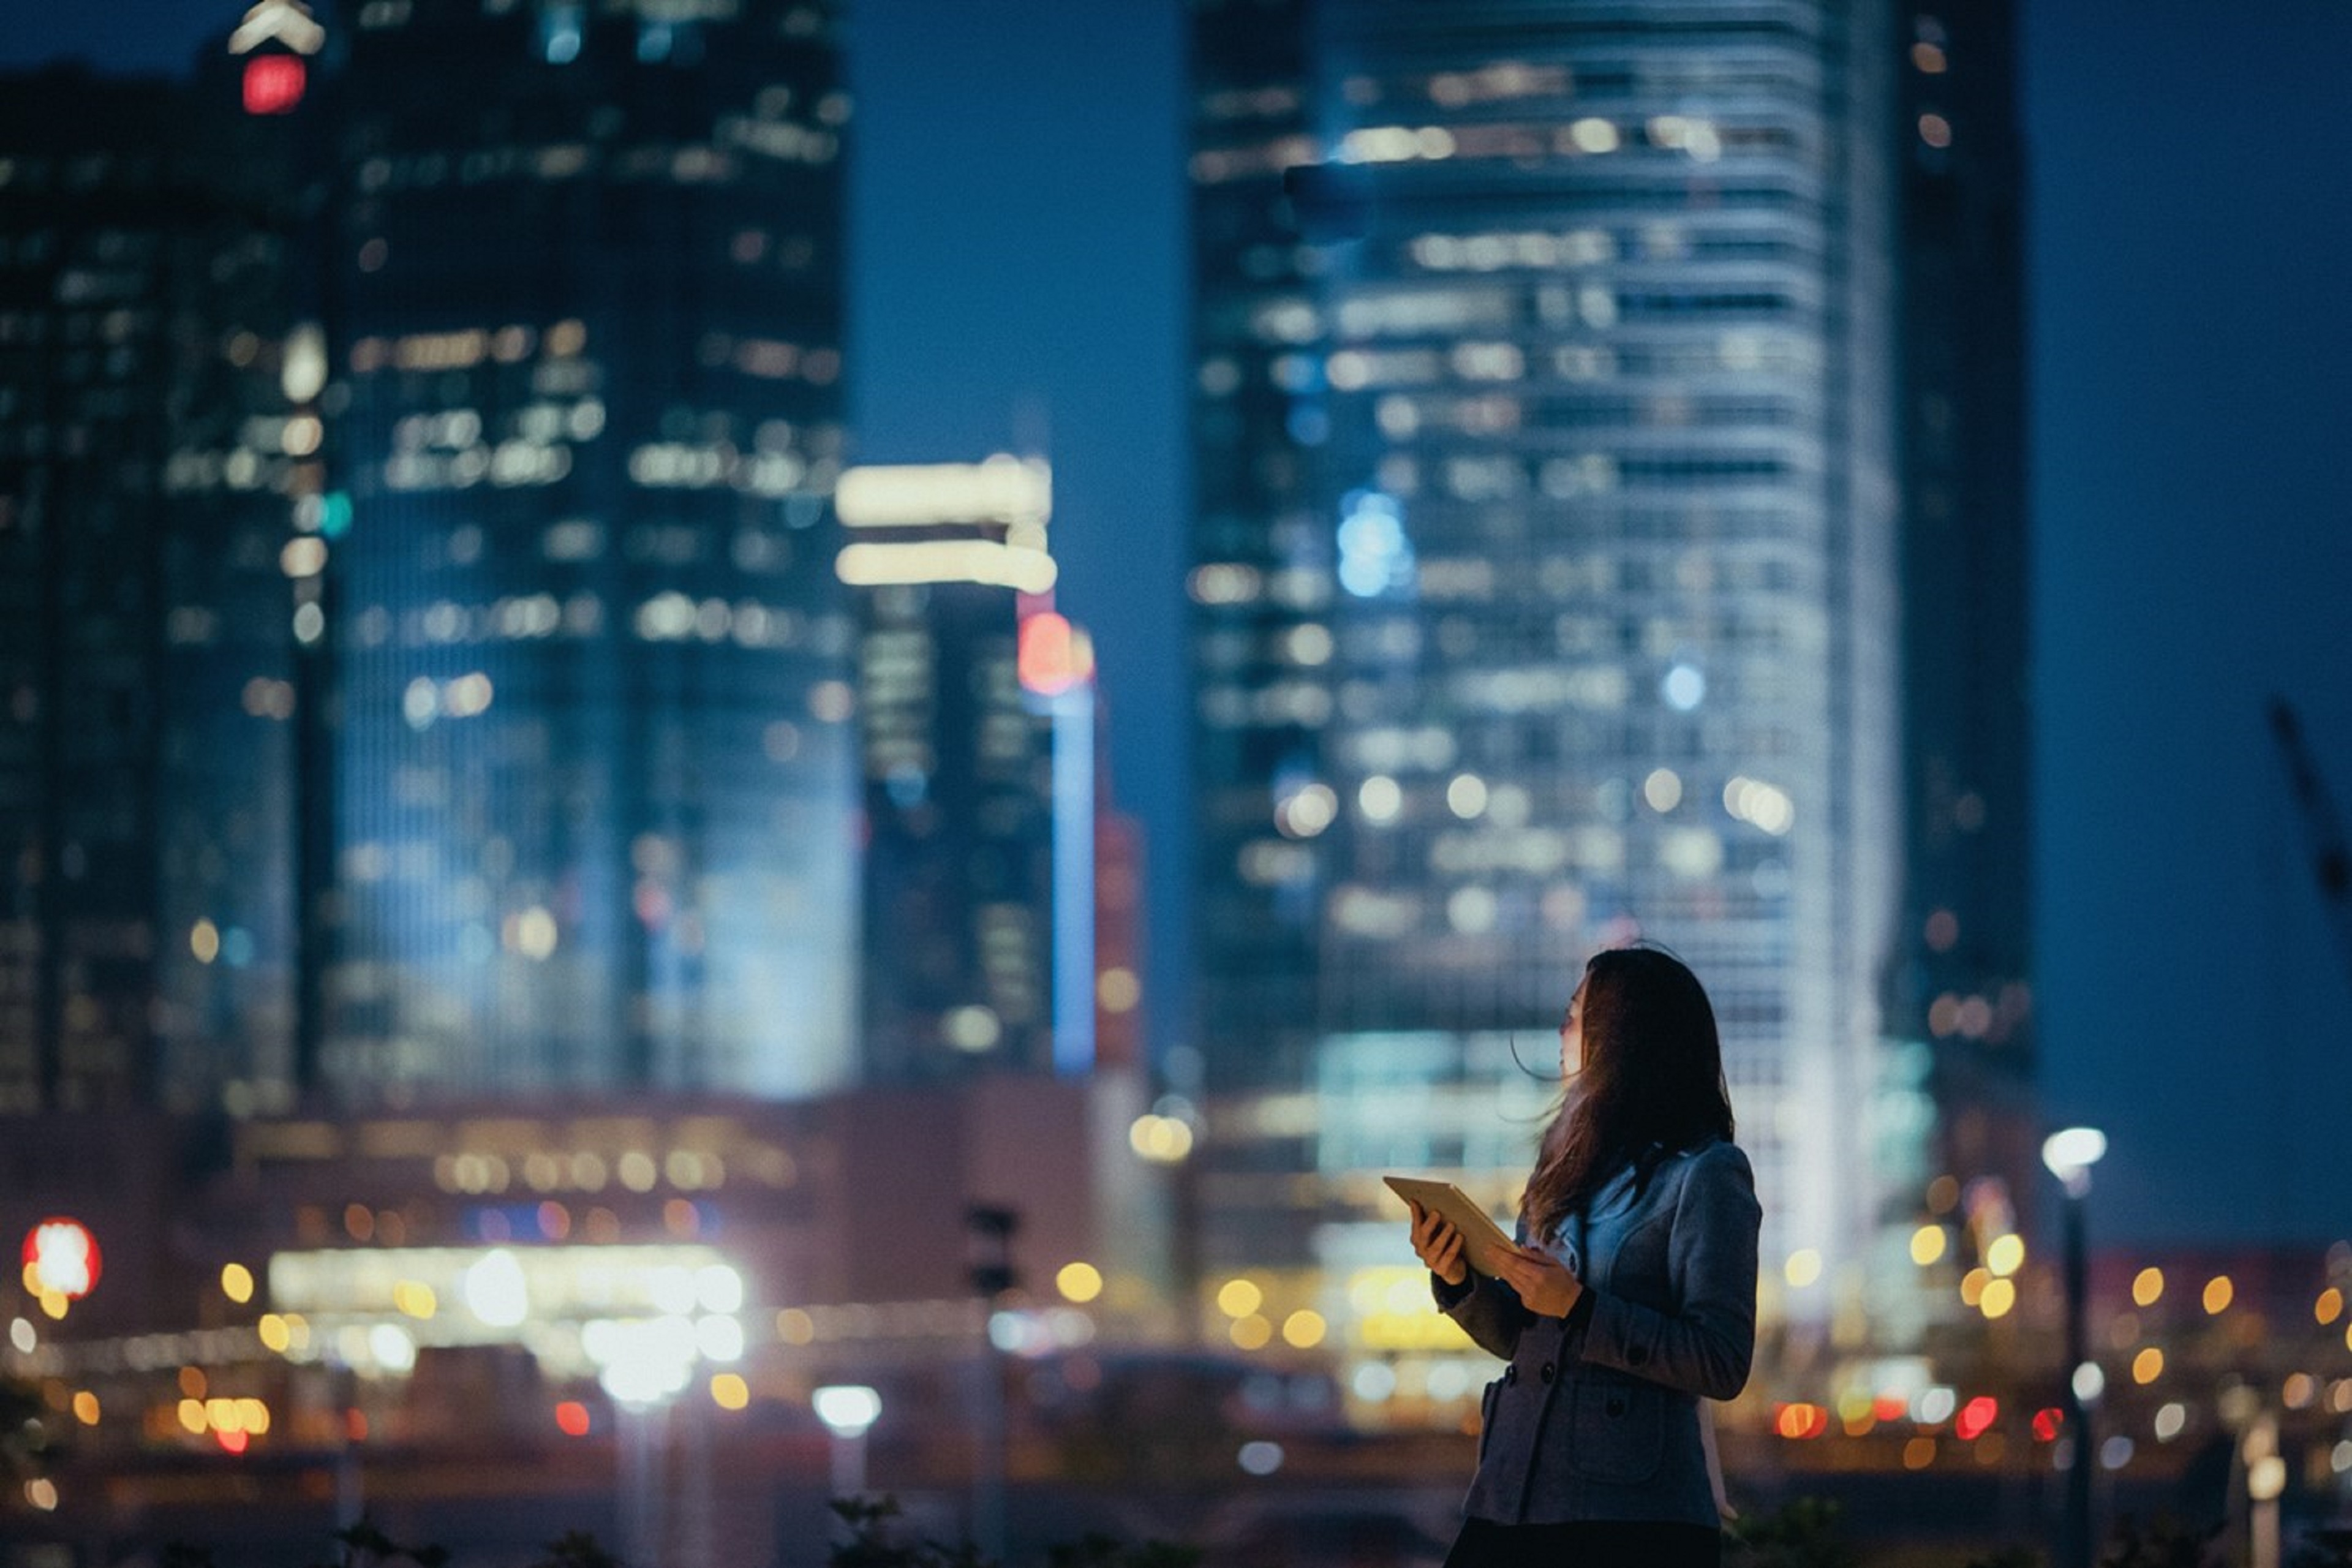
(1597, 1544)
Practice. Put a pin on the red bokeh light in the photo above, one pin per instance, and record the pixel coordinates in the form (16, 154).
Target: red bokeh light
(1055, 655)
(2047, 1422)
(62, 1255)
(1977, 1417)
(573, 1417)
(233, 1442)
(273, 84)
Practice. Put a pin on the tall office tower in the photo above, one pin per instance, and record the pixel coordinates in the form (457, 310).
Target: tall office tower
(950, 564)
(243, 707)
(160, 455)
(1966, 955)
(1545, 582)
(92, 194)
(593, 769)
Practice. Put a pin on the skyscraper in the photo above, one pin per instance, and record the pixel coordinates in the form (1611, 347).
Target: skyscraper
(1545, 575)
(959, 761)
(1966, 956)
(594, 766)
(148, 303)
(88, 194)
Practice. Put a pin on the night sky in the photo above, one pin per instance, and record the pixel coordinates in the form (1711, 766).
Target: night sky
(1018, 212)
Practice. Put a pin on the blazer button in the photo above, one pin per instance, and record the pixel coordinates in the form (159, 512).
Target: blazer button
(1547, 1372)
(1511, 1373)
(1616, 1408)
(1637, 1354)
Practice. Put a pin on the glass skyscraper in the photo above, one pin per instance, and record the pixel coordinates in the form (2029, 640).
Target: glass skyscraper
(1966, 956)
(1544, 579)
(149, 303)
(593, 765)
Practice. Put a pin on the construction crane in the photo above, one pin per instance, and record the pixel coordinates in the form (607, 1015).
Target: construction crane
(2332, 861)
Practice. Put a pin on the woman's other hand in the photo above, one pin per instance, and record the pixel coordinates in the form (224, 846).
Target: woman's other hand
(1439, 1245)
(1544, 1284)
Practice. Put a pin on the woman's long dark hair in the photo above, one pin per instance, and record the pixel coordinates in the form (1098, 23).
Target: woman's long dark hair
(1652, 1083)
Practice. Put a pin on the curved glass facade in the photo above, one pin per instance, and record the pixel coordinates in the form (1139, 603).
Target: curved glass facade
(1545, 578)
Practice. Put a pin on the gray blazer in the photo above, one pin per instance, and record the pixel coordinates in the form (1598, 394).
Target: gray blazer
(1597, 1416)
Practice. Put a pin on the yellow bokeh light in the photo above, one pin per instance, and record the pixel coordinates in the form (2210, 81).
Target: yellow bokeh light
(2329, 1307)
(2000, 1296)
(1239, 1298)
(1928, 1244)
(1972, 1286)
(1919, 1453)
(1804, 1266)
(252, 1415)
(204, 941)
(1304, 1329)
(2006, 1255)
(55, 1302)
(1251, 1332)
(237, 1282)
(191, 1416)
(2219, 1293)
(1078, 1281)
(2149, 1365)
(1163, 1140)
(1117, 990)
(730, 1391)
(416, 1299)
(2147, 1287)
(85, 1407)
(275, 1335)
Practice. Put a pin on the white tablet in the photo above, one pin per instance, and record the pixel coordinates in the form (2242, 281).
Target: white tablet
(1481, 1238)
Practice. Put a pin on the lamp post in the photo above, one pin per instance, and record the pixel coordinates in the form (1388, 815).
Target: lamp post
(2069, 1154)
(649, 1365)
(849, 1411)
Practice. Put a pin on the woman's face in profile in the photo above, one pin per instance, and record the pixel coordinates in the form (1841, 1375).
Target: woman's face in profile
(1571, 1036)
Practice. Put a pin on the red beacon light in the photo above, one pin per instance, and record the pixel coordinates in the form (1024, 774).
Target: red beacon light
(274, 83)
(1053, 654)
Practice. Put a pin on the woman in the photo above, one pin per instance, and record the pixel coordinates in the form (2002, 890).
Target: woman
(1630, 1298)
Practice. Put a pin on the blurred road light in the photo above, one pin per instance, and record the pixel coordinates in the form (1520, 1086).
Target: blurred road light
(2071, 1153)
(847, 1410)
(62, 1261)
(495, 1290)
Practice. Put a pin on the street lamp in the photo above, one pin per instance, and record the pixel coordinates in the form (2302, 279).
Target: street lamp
(646, 1365)
(849, 1411)
(2069, 1154)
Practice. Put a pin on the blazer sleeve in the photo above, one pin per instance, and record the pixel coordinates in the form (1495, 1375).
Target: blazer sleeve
(1705, 1347)
(1488, 1310)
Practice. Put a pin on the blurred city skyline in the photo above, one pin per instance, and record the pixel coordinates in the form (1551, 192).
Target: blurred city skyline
(1017, 264)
